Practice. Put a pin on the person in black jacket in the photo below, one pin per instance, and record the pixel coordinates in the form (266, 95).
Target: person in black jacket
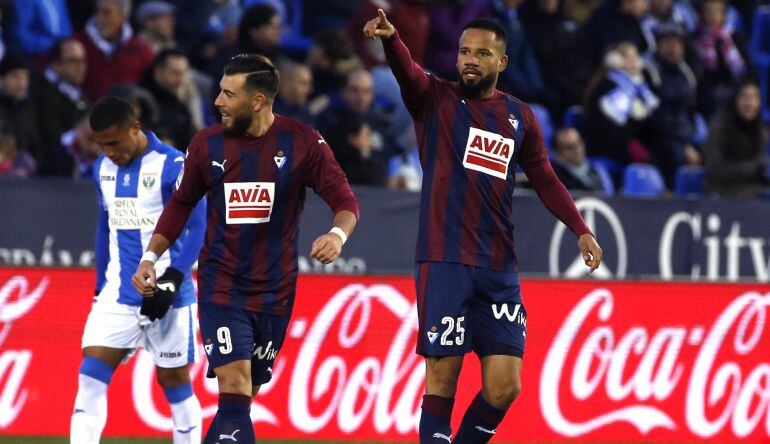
(164, 81)
(59, 101)
(16, 107)
(570, 163)
(671, 128)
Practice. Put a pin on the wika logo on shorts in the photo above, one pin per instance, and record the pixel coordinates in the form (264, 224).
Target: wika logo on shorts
(249, 202)
(488, 153)
(517, 315)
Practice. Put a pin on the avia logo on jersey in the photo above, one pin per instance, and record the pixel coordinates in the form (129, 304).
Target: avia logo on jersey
(249, 202)
(488, 153)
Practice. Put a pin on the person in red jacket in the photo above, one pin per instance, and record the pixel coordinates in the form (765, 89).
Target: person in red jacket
(114, 53)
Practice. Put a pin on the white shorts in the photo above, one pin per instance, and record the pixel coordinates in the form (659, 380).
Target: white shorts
(170, 340)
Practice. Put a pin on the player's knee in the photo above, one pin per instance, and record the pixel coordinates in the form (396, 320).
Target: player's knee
(441, 377)
(234, 379)
(172, 377)
(502, 393)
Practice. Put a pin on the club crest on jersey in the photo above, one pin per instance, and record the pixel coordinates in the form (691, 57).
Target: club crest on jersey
(249, 202)
(280, 159)
(488, 153)
(148, 180)
(513, 121)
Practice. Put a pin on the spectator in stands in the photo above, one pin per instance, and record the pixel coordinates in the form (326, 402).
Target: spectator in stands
(39, 24)
(723, 55)
(167, 81)
(294, 94)
(16, 107)
(671, 128)
(559, 47)
(75, 153)
(331, 58)
(522, 75)
(145, 105)
(734, 153)
(616, 21)
(351, 140)
(58, 96)
(259, 32)
(447, 19)
(667, 14)
(114, 53)
(411, 19)
(13, 162)
(570, 163)
(618, 103)
(357, 101)
(157, 23)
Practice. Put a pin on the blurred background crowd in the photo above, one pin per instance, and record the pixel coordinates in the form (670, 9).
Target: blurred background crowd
(641, 97)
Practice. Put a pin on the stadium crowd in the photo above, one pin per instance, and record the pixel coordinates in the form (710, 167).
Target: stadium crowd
(645, 95)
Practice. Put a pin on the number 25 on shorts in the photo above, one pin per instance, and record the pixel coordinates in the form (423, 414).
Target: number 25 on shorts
(453, 326)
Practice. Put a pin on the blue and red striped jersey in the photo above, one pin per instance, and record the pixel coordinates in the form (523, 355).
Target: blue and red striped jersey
(255, 191)
(469, 149)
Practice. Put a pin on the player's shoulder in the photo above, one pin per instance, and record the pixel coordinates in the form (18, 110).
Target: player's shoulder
(204, 134)
(526, 111)
(302, 132)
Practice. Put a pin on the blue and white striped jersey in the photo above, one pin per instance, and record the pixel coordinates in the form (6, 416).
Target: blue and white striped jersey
(131, 199)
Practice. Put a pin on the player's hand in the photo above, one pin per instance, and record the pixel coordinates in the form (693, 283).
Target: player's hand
(379, 27)
(592, 252)
(157, 305)
(326, 248)
(144, 278)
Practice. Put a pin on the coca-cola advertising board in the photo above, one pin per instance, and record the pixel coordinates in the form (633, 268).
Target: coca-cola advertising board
(605, 361)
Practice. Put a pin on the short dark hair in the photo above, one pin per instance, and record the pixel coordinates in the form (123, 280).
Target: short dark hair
(111, 111)
(491, 25)
(255, 17)
(162, 58)
(57, 50)
(261, 74)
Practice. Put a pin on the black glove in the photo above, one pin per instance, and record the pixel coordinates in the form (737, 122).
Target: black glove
(168, 284)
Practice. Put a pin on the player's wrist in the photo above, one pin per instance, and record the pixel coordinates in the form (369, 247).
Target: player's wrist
(340, 233)
(150, 257)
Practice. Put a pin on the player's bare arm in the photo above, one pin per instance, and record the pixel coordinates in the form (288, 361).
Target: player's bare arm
(592, 252)
(379, 27)
(327, 247)
(144, 279)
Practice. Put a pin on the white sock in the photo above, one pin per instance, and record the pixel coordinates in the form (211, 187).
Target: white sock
(90, 414)
(188, 419)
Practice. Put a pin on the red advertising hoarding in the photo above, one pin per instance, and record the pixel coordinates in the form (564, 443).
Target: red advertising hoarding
(605, 361)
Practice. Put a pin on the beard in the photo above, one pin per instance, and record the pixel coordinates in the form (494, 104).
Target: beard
(239, 126)
(474, 90)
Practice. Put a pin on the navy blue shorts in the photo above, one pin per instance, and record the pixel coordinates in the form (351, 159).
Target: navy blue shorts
(231, 334)
(462, 308)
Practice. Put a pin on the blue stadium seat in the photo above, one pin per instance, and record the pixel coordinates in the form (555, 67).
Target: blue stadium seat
(546, 125)
(642, 180)
(573, 117)
(759, 47)
(608, 186)
(688, 181)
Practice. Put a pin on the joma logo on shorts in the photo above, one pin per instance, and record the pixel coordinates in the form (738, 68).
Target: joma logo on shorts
(170, 354)
(516, 316)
